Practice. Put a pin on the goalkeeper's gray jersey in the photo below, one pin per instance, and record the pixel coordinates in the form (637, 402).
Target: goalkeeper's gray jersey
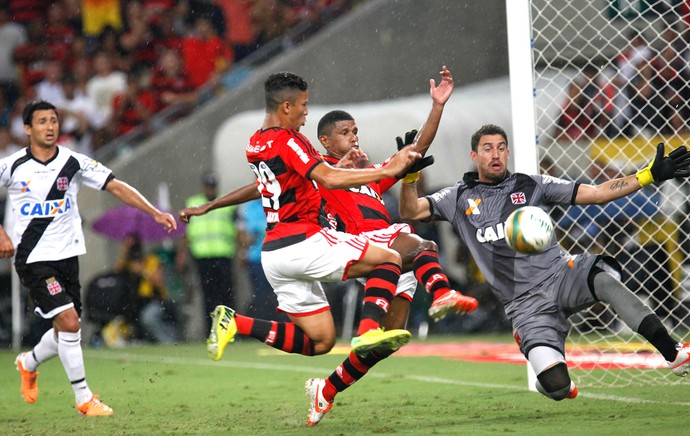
(478, 212)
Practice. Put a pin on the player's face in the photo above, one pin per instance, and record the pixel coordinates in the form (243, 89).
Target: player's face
(297, 116)
(491, 158)
(342, 138)
(44, 128)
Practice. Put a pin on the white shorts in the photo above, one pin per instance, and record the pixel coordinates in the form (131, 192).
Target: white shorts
(385, 238)
(295, 271)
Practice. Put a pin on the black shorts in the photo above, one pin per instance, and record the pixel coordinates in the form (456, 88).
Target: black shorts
(53, 285)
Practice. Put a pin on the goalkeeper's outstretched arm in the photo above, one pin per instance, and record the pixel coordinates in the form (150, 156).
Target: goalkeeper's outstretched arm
(675, 165)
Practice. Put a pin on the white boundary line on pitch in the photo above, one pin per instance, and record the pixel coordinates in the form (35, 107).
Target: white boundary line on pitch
(311, 370)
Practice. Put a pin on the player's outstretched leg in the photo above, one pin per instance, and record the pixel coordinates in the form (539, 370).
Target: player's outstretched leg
(378, 294)
(318, 405)
(429, 272)
(29, 386)
(223, 331)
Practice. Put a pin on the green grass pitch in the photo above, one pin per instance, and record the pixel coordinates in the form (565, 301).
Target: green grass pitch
(255, 390)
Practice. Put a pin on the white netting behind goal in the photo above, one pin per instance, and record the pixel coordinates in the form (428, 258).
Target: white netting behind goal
(612, 81)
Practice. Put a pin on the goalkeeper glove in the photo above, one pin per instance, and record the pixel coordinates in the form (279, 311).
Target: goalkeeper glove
(661, 168)
(412, 174)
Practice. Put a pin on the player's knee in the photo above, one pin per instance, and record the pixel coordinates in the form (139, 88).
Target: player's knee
(324, 345)
(426, 245)
(554, 382)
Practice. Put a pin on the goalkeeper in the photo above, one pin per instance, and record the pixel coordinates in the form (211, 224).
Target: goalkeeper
(541, 291)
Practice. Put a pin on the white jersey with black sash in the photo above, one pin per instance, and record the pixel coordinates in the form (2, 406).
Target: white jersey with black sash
(478, 212)
(43, 195)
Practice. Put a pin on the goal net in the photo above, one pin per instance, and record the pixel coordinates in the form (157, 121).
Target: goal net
(611, 81)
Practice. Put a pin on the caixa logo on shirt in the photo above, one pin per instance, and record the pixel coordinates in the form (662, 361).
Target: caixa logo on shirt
(46, 209)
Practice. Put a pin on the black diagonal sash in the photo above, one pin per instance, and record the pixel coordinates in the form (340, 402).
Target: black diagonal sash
(37, 226)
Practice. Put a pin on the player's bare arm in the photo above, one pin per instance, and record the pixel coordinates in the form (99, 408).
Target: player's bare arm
(661, 168)
(241, 195)
(129, 195)
(6, 246)
(440, 95)
(340, 178)
(352, 159)
(411, 206)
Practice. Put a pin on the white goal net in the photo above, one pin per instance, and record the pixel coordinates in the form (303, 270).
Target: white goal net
(611, 81)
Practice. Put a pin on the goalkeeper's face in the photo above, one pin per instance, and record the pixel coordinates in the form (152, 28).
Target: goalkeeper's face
(491, 158)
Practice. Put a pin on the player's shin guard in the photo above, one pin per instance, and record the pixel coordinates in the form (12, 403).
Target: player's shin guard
(428, 271)
(378, 293)
(285, 336)
(555, 382)
(352, 369)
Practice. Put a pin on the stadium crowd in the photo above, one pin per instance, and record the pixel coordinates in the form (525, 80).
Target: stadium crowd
(111, 66)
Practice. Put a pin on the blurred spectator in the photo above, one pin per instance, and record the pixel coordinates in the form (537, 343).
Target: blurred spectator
(50, 88)
(150, 311)
(170, 84)
(645, 119)
(167, 33)
(205, 55)
(632, 60)
(212, 241)
(78, 118)
(81, 72)
(272, 19)
(102, 88)
(251, 230)
(5, 110)
(239, 30)
(26, 11)
(588, 108)
(73, 16)
(32, 56)
(135, 106)
(671, 83)
(138, 38)
(58, 34)
(12, 35)
(109, 43)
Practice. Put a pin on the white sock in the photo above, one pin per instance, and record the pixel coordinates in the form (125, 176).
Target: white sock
(46, 348)
(69, 350)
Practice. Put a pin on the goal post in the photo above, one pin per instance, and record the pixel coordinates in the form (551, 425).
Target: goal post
(595, 86)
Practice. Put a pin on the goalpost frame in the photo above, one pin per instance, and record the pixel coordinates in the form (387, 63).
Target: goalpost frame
(522, 101)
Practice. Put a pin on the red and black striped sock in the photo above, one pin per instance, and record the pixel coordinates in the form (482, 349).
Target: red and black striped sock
(427, 270)
(352, 369)
(285, 336)
(378, 293)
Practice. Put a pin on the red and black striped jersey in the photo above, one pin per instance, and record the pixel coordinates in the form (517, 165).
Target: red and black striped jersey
(358, 209)
(282, 161)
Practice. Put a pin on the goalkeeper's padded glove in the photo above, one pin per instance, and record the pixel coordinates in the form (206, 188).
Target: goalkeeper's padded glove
(661, 168)
(412, 174)
(409, 139)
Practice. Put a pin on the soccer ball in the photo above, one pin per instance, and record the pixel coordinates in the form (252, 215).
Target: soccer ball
(528, 230)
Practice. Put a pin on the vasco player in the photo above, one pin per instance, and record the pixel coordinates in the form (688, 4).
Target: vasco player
(43, 180)
(541, 291)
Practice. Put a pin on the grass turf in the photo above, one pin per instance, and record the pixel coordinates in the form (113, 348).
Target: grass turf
(254, 390)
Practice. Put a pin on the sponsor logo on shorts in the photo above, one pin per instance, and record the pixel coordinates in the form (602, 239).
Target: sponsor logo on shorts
(54, 286)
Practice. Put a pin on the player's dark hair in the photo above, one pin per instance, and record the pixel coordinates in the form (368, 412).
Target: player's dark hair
(33, 106)
(283, 86)
(487, 129)
(327, 122)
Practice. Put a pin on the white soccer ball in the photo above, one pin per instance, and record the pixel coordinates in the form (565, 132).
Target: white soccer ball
(529, 230)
